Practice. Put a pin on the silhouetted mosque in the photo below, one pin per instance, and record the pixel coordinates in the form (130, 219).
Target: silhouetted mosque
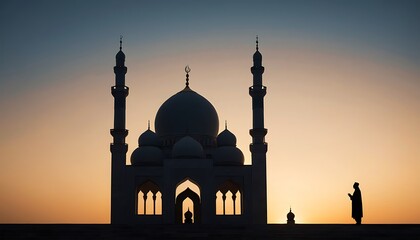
(186, 159)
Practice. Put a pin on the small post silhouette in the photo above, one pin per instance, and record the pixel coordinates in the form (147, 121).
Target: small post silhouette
(290, 217)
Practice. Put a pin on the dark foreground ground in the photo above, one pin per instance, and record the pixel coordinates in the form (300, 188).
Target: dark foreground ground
(272, 231)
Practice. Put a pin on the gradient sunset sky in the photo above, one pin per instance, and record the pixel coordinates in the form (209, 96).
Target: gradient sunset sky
(343, 100)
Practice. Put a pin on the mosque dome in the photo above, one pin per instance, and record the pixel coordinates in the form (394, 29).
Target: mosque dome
(187, 113)
(187, 147)
(226, 138)
(228, 155)
(148, 153)
(147, 156)
(226, 152)
(149, 138)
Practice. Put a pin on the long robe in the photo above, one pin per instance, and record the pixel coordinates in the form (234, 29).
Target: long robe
(356, 204)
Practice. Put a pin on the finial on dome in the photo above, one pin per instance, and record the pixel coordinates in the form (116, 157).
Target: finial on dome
(121, 37)
(225, 124)
(257, 43)
(187, 71)
(148, 124)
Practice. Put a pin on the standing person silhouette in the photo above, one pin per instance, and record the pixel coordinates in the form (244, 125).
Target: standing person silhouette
(356, 204)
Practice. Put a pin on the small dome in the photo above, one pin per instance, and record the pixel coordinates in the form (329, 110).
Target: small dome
(147, 156)
(149, 138)
(226, 138)
(187, 147)
(228, 155)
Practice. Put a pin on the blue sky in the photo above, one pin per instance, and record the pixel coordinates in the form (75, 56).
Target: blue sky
(38, 33)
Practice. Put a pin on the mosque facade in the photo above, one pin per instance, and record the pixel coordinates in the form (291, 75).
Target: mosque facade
(187, 159)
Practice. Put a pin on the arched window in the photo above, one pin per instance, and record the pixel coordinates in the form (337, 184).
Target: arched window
(228, 199)
(149, 199)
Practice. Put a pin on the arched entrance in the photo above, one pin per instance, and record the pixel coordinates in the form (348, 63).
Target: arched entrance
(179, 214)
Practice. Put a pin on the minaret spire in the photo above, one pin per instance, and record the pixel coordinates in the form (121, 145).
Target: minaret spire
(120, 60)
(120, 92)
(119, 133)
(258, 147)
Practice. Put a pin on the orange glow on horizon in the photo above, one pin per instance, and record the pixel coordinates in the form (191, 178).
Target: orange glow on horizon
(333, 117)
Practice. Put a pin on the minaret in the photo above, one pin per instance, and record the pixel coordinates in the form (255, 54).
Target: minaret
(119, 133)
(258, 147)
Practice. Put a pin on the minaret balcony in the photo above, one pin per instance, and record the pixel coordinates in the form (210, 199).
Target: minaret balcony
(257, 91)
(119, 91)
(119, 133)
(258, 147)
(258, 132)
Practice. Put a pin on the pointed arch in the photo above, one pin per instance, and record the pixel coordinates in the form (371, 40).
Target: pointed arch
(187, 183)
(187, 189)
(195, 198)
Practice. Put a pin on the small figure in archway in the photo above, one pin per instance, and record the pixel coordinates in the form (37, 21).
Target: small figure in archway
(188, 217)
(356, 204)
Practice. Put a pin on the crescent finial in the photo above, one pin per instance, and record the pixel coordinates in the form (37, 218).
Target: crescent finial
(187, 71)
(257, 43)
